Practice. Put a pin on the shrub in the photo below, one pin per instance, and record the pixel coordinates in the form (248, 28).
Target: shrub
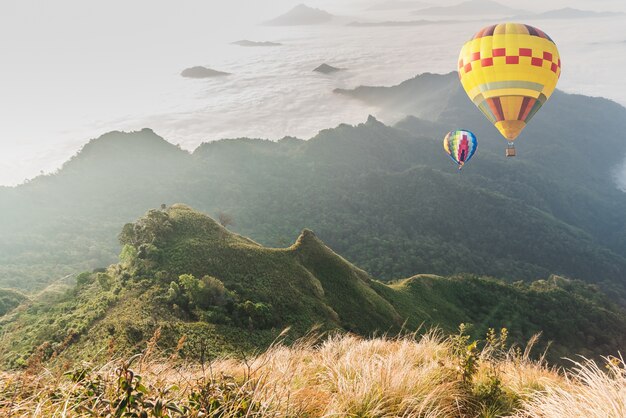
(84, 279)
(204, 293)
(254, 315)
(104, 280)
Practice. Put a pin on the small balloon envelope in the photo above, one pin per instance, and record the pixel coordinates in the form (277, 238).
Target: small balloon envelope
(460, 145)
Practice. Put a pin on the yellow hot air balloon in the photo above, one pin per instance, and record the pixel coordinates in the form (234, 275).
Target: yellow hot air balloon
(509, 70)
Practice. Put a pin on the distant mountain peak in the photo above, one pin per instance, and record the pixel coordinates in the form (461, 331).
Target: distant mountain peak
(145, 136)
(301, 15)
(371, 120)
(304, 7)
(119, 148)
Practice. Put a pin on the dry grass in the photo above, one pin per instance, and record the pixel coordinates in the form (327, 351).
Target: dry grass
(349, 376)
(341, 376)
(587, 391)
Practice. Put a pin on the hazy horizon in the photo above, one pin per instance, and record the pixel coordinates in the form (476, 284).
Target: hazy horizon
(75, 71)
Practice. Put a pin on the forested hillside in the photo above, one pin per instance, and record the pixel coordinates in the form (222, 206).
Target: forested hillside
(183, 274)
(387, 198)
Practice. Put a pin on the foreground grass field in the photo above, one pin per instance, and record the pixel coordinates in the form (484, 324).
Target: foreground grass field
(338, 376)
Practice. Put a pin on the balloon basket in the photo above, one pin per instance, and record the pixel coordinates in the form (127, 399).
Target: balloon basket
(510, 152)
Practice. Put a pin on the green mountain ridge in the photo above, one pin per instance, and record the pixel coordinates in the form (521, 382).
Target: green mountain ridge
(242, 295)
(387, 198)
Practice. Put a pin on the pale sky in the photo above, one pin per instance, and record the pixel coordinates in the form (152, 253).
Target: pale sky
(74, 69)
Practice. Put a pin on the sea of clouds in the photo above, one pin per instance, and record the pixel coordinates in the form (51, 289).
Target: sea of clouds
(84, 80)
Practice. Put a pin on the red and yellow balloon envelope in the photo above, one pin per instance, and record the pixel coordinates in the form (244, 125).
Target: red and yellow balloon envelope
(460, 146)
(509, 70)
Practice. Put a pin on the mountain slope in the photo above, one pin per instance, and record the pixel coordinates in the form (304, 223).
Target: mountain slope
(65, 222)
(10, 299)
(574, 186)
(424, 96)
(386, 198)
(182, 273)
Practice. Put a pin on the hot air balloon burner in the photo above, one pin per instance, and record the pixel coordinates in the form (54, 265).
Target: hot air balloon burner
(510, 150)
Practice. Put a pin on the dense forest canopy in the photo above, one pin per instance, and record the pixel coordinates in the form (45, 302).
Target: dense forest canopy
(387, 198)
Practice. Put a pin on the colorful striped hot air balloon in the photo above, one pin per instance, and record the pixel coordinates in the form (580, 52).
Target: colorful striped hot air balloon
(460, 146)
(509, 70)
